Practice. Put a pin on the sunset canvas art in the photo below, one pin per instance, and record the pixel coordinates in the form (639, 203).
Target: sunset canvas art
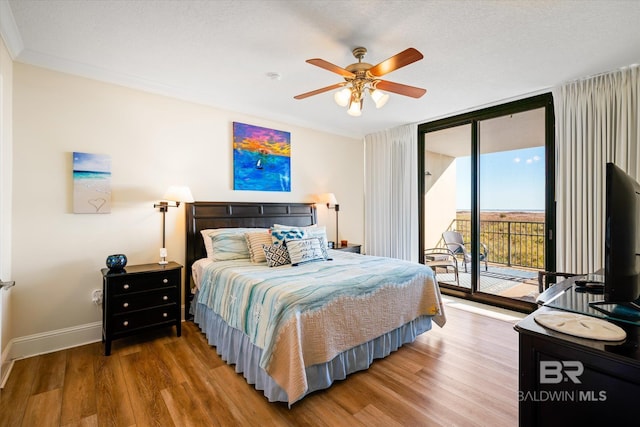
(261, 158)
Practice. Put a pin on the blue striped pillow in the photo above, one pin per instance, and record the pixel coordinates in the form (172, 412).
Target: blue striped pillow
(231, 249)
(229, 244)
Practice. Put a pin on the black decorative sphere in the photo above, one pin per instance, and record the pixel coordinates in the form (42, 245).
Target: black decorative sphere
(117, 261)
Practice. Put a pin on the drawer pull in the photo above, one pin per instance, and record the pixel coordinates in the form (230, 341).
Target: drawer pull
(164, 298)
(125, 305)
(164, 315)
(165, 281)
(125, 323)
(126, 286)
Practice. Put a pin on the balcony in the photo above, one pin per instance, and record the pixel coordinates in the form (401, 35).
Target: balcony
(510, 243)
(516, 254)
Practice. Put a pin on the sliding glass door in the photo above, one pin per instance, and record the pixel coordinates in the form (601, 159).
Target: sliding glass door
(512, 203)
(447, 194)
(487, 197)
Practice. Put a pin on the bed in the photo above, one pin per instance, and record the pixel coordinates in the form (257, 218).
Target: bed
(294, 329)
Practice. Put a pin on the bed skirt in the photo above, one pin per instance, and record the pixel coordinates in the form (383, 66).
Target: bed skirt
(236, 348)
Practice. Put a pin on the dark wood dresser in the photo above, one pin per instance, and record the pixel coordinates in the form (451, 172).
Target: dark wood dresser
(567, 380)
(140, 298)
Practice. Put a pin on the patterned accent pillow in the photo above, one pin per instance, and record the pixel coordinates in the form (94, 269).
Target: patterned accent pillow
(279, 236)
(305, 250)
(276, 255)
(255, 240)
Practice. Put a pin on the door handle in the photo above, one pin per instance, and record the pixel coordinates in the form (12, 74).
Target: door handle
(6, 285)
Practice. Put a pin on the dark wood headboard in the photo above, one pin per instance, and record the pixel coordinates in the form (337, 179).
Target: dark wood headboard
(205, 215)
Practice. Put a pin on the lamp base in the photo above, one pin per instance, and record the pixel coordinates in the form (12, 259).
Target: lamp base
(163, 256)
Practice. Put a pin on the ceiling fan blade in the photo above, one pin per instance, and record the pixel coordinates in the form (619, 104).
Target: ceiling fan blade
(331, 67)
(403, 58)
(414, 92)
(317, 91)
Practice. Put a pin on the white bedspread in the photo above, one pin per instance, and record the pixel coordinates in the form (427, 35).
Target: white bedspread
(304, 315)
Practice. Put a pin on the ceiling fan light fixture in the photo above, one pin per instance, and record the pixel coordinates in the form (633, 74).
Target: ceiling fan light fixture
(342, 97)
(361, 76)
(355, 108)
(378, 97)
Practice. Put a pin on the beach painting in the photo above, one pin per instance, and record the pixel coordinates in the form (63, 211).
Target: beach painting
(261, 158)
(91, 183)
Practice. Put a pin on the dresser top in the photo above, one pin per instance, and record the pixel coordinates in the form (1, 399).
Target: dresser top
(141, 268)
(577, 302)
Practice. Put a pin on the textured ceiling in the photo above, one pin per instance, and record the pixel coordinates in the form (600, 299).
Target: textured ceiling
(221, 53)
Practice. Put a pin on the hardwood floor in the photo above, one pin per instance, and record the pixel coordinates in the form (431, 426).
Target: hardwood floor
(464, 374)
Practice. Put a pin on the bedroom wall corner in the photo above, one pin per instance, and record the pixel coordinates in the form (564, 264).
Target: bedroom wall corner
(153, 142)
(6, 160)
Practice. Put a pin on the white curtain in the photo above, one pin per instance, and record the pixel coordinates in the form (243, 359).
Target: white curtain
(391, 193)
(597, 121)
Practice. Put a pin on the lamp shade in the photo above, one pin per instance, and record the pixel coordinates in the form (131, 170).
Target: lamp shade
(355, 108)
(342, 97)
(379, 98)
(178, 193)
(329, 199)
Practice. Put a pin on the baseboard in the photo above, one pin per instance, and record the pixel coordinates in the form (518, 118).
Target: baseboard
(483, 309)
(51, 341)
(48, 342)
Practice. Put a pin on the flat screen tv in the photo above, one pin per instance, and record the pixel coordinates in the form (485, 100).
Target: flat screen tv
(622, 246)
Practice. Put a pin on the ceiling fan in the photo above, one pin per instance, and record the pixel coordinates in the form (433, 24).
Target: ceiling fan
(361, 77)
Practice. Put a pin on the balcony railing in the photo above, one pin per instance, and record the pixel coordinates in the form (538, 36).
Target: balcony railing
(512, 243)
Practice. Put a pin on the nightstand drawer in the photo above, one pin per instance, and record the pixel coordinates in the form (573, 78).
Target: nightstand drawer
(140, 319)
(140, 301)
(143, 282)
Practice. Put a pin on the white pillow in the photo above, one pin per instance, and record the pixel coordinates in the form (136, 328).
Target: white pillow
(207, 242)
(305, 250)
(321, 234)
(294, 226)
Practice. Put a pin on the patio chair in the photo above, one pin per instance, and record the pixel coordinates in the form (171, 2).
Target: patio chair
(546, 279)
(442, 258)
(453, 241)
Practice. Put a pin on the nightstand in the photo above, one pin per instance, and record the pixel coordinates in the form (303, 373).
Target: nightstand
(351, 247)
(140, 298)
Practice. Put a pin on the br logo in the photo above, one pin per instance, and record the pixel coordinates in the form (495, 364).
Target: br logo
(555, 372)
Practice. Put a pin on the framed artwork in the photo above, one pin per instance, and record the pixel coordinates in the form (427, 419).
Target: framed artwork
(261, 158)
(91, 183)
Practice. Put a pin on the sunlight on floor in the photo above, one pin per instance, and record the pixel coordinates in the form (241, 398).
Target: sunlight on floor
(483, 309)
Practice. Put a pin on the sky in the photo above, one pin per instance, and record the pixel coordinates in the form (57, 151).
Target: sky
(509, 180)
(89, 162)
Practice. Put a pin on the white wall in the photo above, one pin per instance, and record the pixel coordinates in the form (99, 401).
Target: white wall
(6, 142)
(440, 197)
(153, 142)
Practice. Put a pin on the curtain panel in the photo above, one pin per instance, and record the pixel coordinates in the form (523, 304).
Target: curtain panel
(391, 193)
(597, 121)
